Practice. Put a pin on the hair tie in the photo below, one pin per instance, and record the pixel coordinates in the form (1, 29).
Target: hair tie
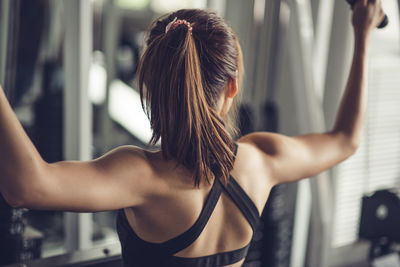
(176, 22)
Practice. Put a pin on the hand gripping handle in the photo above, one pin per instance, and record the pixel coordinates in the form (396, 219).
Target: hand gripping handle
(384, 22)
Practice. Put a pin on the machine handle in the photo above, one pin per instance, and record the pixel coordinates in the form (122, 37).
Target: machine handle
(384, 22)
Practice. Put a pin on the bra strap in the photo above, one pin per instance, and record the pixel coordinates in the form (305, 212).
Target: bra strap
(184, 240)
(243, 202)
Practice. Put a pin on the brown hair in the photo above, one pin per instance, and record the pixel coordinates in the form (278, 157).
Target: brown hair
(182, 75)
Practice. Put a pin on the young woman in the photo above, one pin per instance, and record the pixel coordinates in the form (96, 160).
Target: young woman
(197, 200)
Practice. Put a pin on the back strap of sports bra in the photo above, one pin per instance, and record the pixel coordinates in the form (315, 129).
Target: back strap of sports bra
(220, 259)
(187, 238)
(242, 200)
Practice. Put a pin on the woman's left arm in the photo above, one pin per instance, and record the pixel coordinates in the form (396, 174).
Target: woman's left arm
(110, 182)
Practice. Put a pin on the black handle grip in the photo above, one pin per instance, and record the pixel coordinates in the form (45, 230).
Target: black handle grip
(384, 22)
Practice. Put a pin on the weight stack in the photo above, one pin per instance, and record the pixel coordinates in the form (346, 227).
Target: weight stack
(272, 242)
(48, 109)
(16, 244)
(47, 132)
(12, 226)
(278, 218)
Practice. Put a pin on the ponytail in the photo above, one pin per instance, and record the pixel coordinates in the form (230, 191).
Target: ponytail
(181, 112)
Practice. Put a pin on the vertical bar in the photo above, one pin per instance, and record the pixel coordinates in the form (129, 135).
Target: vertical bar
(240, 15)
(299, 51)
(265, 59)
(299, 112)
(301, 222)
(4, 20)
(322, 189)
(315, 6)
(310, 81)
(310, 113)
(303, 79)
(338, 65)
(269, 57)
(321, 43)
(77, 108)
(218, 5)
(398, 6)
(199, 3)
(301, 40)
(339, 60)
(111, 32)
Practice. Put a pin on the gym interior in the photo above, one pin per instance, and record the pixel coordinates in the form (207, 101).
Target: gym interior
(68, 69)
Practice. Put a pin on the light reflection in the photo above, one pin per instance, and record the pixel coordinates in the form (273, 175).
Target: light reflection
(126, 109)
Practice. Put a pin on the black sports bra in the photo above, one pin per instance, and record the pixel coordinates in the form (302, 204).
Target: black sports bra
(138, 252)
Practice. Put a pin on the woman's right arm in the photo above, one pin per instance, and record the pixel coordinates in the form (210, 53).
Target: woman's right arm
(121, 178)
(293, 158)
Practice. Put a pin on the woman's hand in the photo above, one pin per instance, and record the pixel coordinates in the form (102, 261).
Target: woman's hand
(367, 15)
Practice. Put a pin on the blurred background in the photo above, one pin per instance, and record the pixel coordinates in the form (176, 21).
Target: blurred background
(68, 68)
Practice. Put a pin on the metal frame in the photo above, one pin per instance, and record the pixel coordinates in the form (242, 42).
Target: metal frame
(217, 5)
(4, 20)
(323, 26)
(309, 117)
(303, 77)
(8, 52)
(337, 69)
(315, 73)
(77, 108)
(319, 63)
(240, 15)
(266, 59)
(102, 256)
(110, 32)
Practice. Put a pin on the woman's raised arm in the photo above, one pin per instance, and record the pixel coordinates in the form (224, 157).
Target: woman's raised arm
(293, 158)
(118, 179)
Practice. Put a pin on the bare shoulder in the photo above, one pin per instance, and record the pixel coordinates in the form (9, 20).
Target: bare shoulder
(125, 157)
(253, 170)
(261, 148)
(129, 151)
(129, 163)
(264, 142)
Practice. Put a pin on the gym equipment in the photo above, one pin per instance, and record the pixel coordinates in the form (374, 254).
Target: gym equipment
(12, 226)
(384, 22)
(100, 256)
(380, 216)
(380, 220)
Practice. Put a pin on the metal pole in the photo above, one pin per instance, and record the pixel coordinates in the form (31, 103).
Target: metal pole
(338, 65)
(339, 59)
(218, 5)
(240, 15)
(398, 5)
(265, 58)
(77, 108)
(321, 43)
(4, 20)
(310, 118)
(299, 42)
(110, 39)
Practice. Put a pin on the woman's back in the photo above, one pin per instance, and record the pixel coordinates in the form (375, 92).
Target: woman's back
(176, 206)
(189, 78)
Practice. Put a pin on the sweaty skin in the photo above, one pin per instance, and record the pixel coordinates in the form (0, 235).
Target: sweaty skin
(156, 192)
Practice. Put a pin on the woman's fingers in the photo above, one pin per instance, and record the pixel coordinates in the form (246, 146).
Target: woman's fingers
(367, 14)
